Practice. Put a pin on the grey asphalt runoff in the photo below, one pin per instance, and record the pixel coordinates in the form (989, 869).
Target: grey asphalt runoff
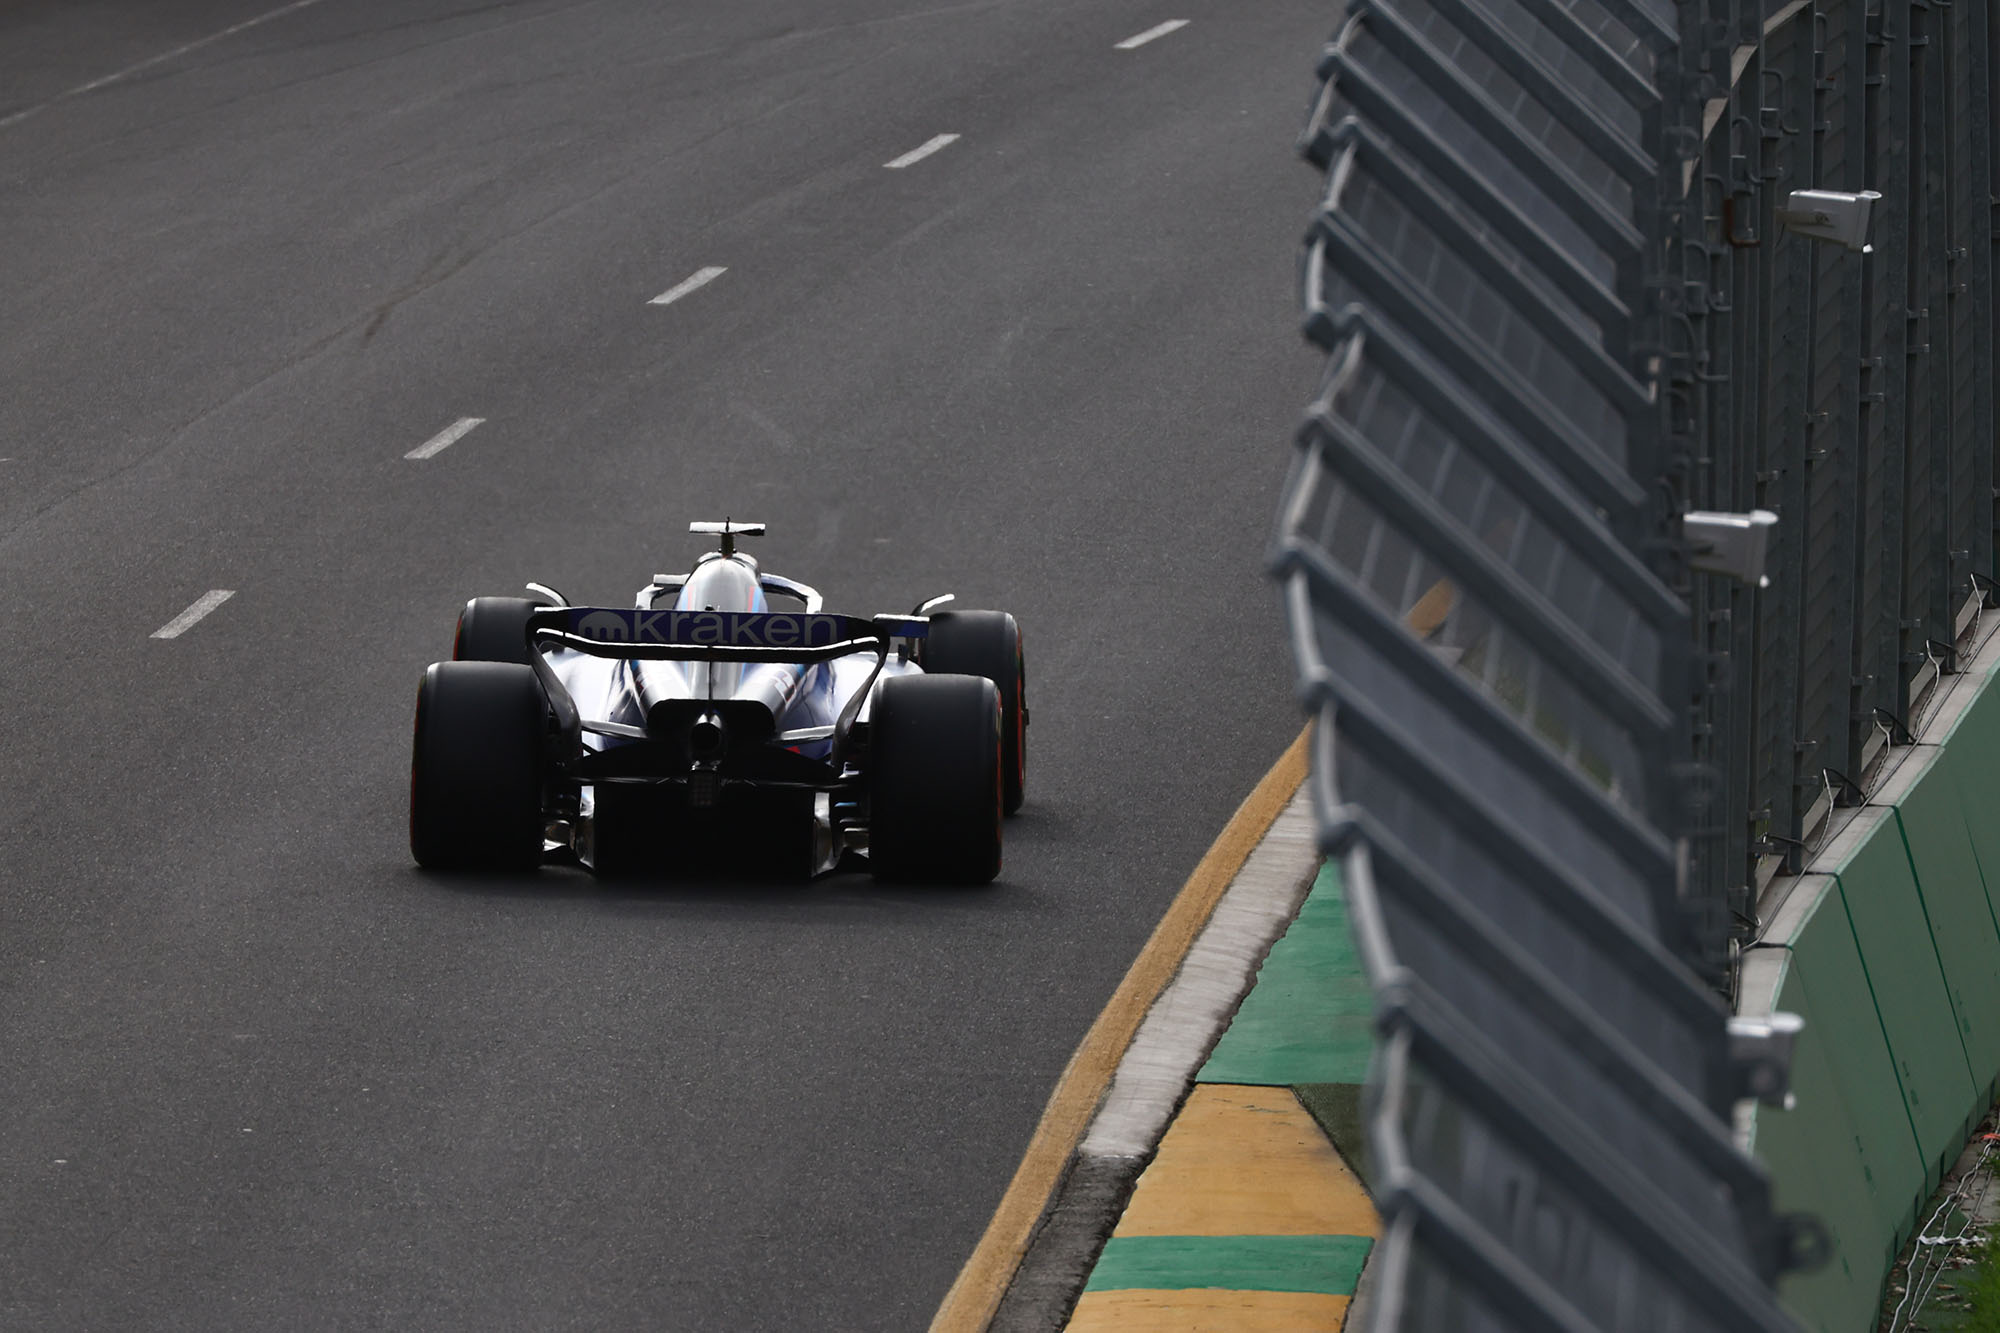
(257, 1070)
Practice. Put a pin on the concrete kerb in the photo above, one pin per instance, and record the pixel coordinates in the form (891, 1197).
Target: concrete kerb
(1047, 1173)
(1158, 1069)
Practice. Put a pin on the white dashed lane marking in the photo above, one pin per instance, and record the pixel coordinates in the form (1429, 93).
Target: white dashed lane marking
(203, 604)
(445, 438)
(921, 152)
(1150, 34)
(699, 279)
(121, 75)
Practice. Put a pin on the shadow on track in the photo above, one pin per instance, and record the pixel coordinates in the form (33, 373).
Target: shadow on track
(719, 883)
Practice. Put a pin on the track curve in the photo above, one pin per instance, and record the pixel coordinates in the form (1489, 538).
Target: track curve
(256, 1069)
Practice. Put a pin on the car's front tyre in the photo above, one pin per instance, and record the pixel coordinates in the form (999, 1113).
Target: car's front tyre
(988, 643)
(494, 629)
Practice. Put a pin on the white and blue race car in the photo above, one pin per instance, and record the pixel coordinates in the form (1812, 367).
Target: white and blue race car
(702, 719)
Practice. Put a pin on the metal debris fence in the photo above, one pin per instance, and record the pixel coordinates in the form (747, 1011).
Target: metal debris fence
(1578, 332)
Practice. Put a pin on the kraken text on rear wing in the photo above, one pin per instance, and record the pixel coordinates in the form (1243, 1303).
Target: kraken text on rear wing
(749, 636)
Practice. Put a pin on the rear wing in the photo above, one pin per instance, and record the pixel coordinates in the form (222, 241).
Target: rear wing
(718, 636)
(706, 636)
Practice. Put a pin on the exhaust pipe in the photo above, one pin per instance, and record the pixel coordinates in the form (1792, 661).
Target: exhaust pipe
(707, 739)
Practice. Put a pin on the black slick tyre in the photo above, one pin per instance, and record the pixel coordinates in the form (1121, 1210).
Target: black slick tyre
(935, 789)
(493, 629)
(988, 643)
(476, 767)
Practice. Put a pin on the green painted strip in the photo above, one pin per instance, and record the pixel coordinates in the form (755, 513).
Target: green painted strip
(1976, 763)
(1959, 1022)
(1310, 1018)
(1337, 1109)
(1958, 904)
(1914, 947)
(1828, 986)
(1986, 877)
(1329, 1265)
(1875, 1002)
(1884, 906)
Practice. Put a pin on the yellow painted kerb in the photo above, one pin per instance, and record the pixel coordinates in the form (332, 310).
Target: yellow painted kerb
(975, 1296)
(1247, 1161)
(1207, 1312)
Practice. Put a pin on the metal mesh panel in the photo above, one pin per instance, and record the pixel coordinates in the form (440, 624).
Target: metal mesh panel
(1926, 527)
(1528, 1017)
(1560, 102)
(1486, 641)
(1552, 351)
(1366, 79)
(1522, 1197)
(1431, 1294)
(1609, 1277)
(1982, 277)
(1570, 921)
(1562, 307)
(1827, 595)
(1778, 796)
(1828, 592)
(1384, 412)
(1965, 326)
(1589, 49)
(1879, 642)
(1623, 31)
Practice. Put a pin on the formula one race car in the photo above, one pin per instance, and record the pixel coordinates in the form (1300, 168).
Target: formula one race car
(701, 718)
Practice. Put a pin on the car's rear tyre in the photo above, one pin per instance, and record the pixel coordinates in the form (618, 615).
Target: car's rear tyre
(493, 629)
(476, 767)
(988, 643)
(935, 786)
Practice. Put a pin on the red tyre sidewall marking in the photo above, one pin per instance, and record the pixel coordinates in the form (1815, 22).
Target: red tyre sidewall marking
(1020, 713)
(999, 776)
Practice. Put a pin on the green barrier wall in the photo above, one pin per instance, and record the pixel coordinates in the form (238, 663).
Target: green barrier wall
(1890, 950)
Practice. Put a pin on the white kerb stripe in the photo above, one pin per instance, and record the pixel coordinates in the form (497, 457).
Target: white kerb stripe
(1182, 1027)
(445, 438)
(203, 604)
(1171, 25)
(921, 152)
(700, 279)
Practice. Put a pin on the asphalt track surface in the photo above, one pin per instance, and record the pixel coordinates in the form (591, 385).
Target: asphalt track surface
(256, 1070)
